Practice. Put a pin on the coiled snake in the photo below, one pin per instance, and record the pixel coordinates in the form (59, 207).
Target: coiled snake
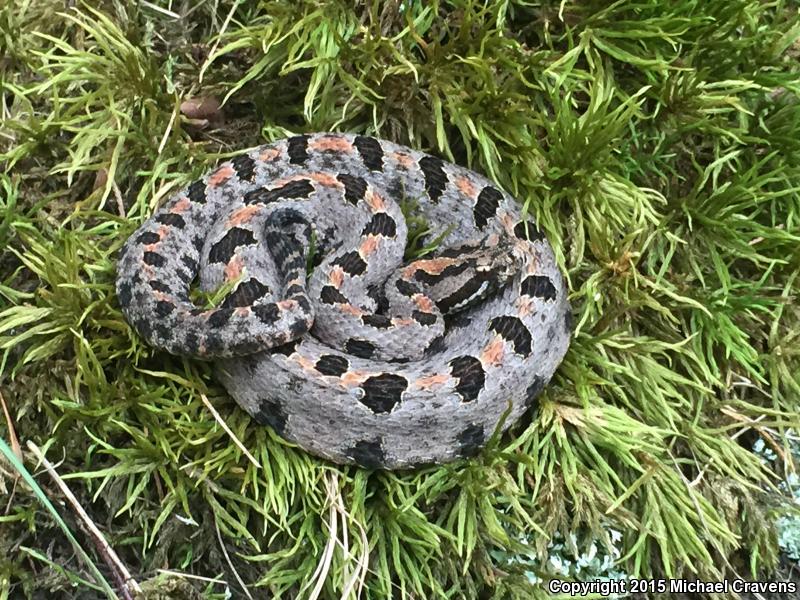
(369, 361)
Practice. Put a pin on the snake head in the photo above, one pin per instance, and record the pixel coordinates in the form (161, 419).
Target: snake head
(499, 261)
(466, 275)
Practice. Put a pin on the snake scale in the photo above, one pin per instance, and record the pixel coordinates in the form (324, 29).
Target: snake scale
(368, 360)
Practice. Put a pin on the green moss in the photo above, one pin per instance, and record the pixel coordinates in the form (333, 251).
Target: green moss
(657, 144)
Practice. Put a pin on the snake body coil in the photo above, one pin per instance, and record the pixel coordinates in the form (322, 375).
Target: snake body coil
(368, 360)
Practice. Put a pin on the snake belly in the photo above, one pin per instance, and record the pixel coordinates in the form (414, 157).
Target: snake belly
(368, 360)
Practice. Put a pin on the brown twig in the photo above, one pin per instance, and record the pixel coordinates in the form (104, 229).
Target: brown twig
(12, 433)
(228, 560)
(123, 577)
(15, 448)
(218, 419)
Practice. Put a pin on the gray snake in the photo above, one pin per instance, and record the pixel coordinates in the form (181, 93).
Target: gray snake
(367, 360)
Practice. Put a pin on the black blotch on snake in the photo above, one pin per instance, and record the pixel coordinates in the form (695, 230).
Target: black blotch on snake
(271, 412)
(171, 219)
(435, 177)
(246, 294)
(533, 391)
(406, 288)
(351, 262)
(223, 250)
(380, 224)
(354, 187)
(370, 151)
(436, 346)
(214, 343)
(330, 295)
(159, 286)
(538, 286)
(245, 167)
(470, 374)
(191, 342)
(297, 149)
(299, 188)
(164, 308)
(153, 259)
(534, 233)
(266, 313)
(190, 262)
(383, 392)
(423, 318)
(294, 290)
(471, 440)
(377, 321)
(332, 364)
(147, 238)
(486, 205)
(359, 348)
(285, 349)
(219, 317)
(197, 192)
(367, 454)
(513, 331)
(446, 273)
